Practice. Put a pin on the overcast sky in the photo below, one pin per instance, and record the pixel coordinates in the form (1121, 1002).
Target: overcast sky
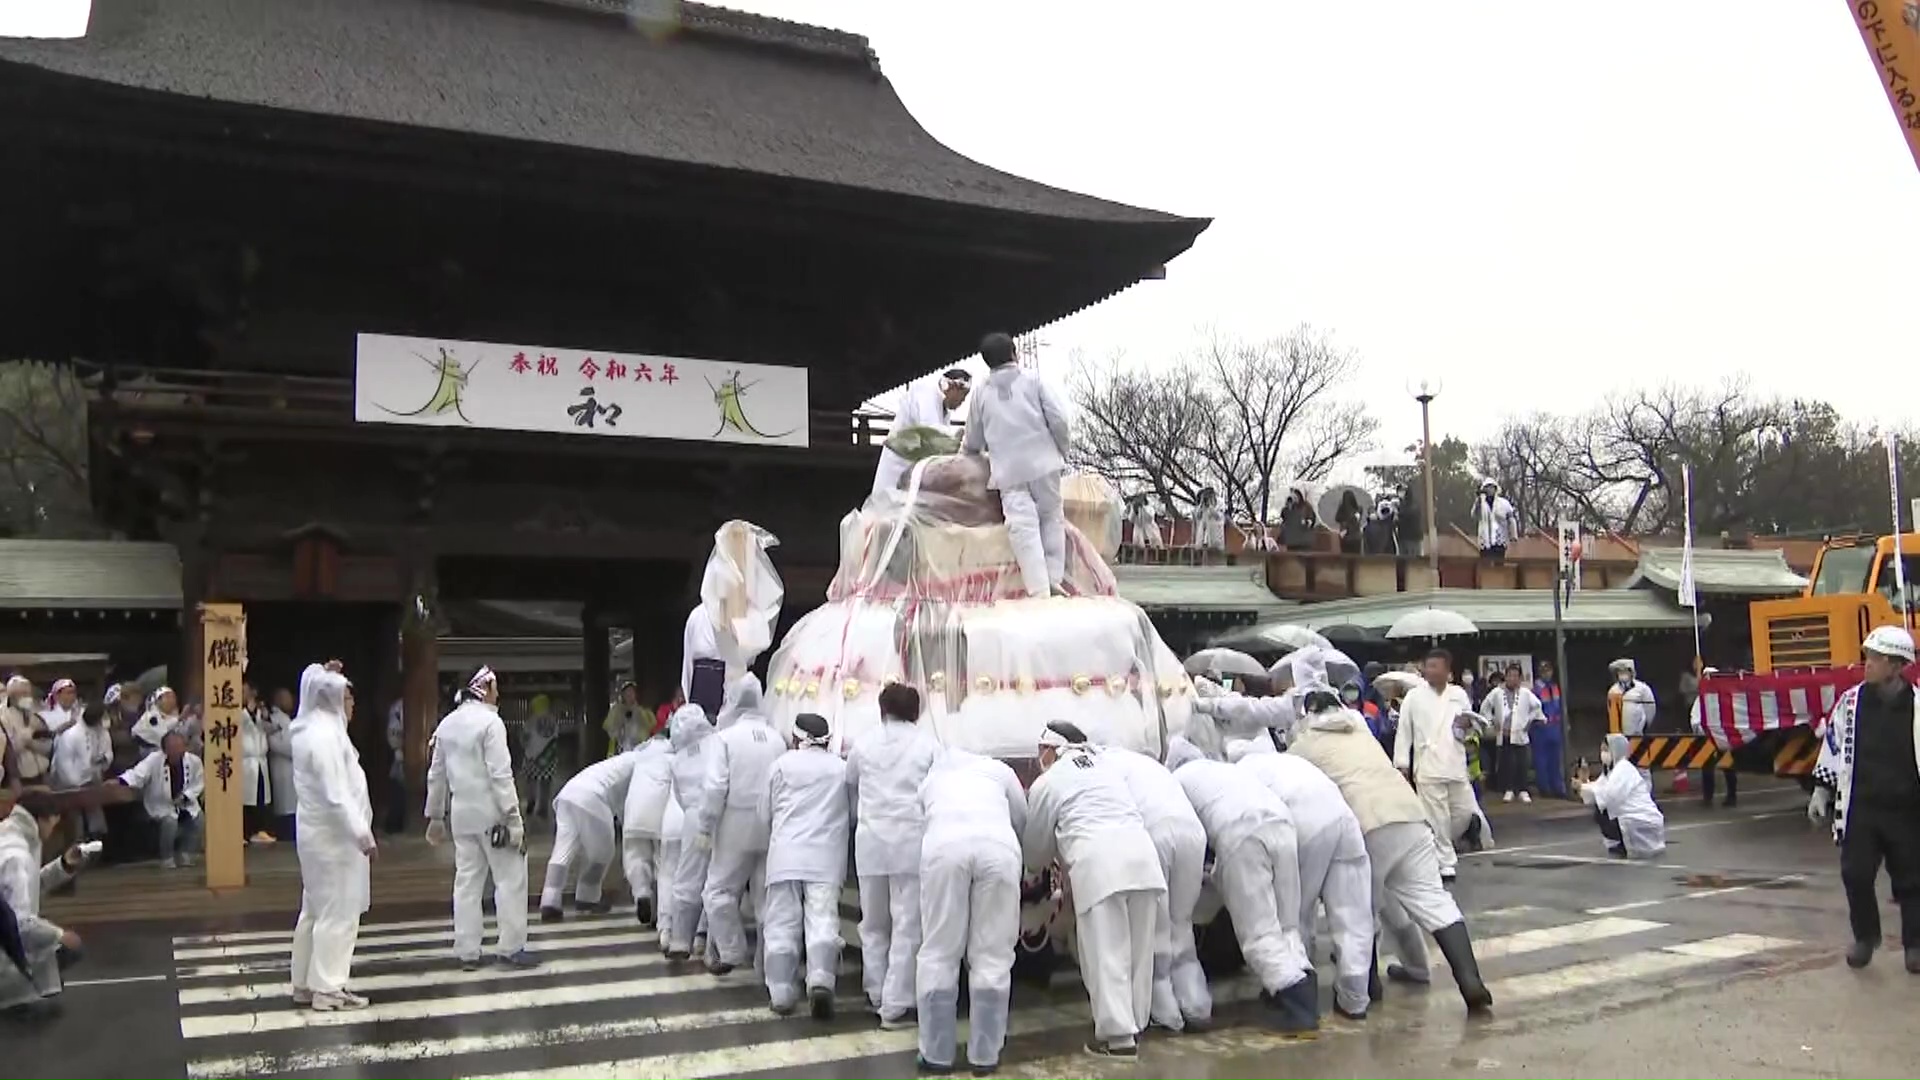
(1535, 202)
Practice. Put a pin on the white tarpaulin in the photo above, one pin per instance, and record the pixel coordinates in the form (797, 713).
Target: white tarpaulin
(431, 383)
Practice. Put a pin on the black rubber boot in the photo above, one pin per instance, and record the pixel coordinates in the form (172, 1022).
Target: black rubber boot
(1457, 946)
(1860, 954)
(1296, 1010)
(1376, 990)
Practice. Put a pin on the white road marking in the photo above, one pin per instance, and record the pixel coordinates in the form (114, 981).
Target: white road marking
(369, 930)
(1553, 937)
(1633, 966)
(286, 1019)
(1593, 839)
(263, 991)
(284, 961)
(557, 934)
(1636, 905)
(113, 982)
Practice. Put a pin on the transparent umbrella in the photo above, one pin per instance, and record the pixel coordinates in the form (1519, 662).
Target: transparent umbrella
(1224, 662)
(1430, 623)
(1292, 636)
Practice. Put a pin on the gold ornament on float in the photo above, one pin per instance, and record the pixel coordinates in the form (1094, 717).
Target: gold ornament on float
(1116, 684)
(851, 689)
(984, 684)
(937, 682)
(1082, 684)
(1025, 685)
(812, 689)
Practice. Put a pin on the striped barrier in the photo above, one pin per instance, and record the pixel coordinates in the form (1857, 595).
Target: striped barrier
(1676, 752)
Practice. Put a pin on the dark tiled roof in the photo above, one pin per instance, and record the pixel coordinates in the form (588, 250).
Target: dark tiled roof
(88, 575)
(725, 90)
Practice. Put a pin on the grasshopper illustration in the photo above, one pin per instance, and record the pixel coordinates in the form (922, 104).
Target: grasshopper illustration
(726, 398)
(446, 393)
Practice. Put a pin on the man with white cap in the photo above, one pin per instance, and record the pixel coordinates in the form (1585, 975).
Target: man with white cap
(969, 906)
(1256, 864)
(1334, 869)
(1429, 748)
(734, 821)
(809, 823)
(1022, 427)
(928, 402)
(885, 768)
(1083, 815)
(1869, 777)
(583, 815)
(1407, 891)
(1181, 1000)
(471, 796)
(1631, 697)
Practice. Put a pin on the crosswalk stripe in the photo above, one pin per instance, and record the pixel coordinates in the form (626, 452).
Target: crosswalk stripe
(1639, 965)
(372, 929)
(263, 990)
(1554, 937)
(413, 937)
(283, 960)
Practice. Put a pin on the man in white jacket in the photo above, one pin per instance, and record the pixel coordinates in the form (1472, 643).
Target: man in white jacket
(810, 821)
(335, 842)
(583, 815)
(1429, 748)
(735, 823)
(1512, 709)
(1022, 427)
(689, 730)
(1181, 1000)
(643, 848)
(885, 769)
(472, 798)
(1256, 864)
(1082, 815)
(82, 753)
(970, 906)
(1334, 868)
(170, 781)
(927, 402)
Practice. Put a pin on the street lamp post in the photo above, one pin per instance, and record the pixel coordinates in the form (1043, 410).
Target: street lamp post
(1425, 396)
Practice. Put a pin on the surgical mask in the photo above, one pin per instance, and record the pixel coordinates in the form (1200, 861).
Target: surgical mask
(1626, 682)
(1350, 694)
(1606, 758)
(23, 702)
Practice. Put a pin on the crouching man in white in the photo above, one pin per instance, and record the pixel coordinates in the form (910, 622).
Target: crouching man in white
(1256, 863)
(170, 782)
(1083, 814)
(810, 822)
(583, 815)
(22, 880)
(1407, 892)
(969, 907)
(1334, 868)
(688, 732)
(471, 796)
(1181, 1001)
(643, 847)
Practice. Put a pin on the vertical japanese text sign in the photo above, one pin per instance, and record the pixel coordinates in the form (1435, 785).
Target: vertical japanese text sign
(1891, 29)
(224, 629)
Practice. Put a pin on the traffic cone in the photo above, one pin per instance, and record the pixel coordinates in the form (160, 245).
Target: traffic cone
(1681, 785)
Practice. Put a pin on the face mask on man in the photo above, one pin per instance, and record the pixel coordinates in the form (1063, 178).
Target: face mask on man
(1626, 682)
(1350, 694)
(1606, 758)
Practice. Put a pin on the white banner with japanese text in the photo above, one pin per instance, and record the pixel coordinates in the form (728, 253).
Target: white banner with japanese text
(427, 382)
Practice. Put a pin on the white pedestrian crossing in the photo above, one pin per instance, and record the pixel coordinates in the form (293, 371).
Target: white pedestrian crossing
(606, 1003)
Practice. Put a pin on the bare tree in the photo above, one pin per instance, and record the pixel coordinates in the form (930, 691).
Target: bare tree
(1240, 417)
(43, 451)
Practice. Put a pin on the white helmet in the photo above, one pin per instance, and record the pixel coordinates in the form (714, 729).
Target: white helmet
(1890, 641)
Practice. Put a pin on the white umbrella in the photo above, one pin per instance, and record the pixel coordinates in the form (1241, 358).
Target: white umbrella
(1328, 504)
(1224, 662)
(1292, 636)
(1290, 671)
(1430, 623)
(1399, 681)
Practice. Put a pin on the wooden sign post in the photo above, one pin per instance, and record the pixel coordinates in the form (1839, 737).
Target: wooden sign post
(224, 631)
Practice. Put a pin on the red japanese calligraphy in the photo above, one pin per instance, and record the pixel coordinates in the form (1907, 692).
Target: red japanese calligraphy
(520, 365)
(616, 370)
(667, 374)
(549, 365)
(642, 373)
(589, 368)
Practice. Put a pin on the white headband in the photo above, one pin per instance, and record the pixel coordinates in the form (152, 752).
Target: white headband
(481, 679)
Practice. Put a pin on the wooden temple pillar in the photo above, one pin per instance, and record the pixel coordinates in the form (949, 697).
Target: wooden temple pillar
(596, 681)
(187, 675)
(419, 677)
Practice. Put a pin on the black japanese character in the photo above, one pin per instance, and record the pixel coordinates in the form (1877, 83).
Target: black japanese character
(224, 696)
(223, 769)
(587, 410)
(223, 653)
(223, 734)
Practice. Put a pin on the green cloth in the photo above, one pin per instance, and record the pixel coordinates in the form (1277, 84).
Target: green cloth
(920, 441)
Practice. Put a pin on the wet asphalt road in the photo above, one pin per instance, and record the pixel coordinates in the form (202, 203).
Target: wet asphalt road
(1722, 959)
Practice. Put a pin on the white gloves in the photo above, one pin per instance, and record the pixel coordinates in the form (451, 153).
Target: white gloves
(703, 842)
(1202, 705)
(1204, 687)
(1820, 804)
(517, 836)
(436, 832)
